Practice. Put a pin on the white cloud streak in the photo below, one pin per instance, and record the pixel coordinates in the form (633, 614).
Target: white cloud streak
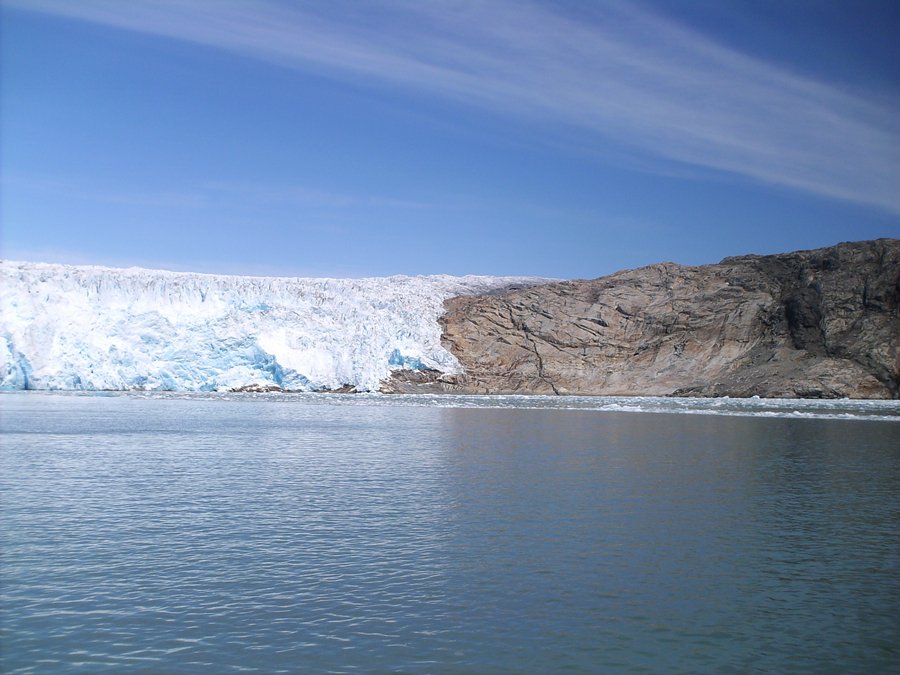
(307, 196)
(73, 189)
(625, 75)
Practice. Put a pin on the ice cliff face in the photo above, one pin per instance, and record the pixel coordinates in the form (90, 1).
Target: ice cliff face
(64, 327)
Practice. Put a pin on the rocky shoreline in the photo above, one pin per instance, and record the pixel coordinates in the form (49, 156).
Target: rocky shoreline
(809, 324)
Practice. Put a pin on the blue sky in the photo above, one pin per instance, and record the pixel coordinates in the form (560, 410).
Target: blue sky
(344, 138)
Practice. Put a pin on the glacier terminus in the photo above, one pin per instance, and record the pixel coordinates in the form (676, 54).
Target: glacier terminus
(98, 328)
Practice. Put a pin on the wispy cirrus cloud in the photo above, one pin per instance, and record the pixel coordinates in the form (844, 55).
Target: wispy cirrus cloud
(80, 190)
(305, 195)
(624, 75)
(204, 193)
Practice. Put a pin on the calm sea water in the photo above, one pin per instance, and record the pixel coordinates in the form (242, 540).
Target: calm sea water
(376, 534)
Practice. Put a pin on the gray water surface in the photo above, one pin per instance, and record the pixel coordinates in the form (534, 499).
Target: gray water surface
(322, 534)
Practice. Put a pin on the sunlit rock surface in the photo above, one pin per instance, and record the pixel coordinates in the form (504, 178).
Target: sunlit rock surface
(820, 323)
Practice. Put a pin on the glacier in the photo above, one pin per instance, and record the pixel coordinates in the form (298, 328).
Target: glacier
(66, 327)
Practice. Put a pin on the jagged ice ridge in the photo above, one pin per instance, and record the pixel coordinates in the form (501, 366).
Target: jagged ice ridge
(86, 327)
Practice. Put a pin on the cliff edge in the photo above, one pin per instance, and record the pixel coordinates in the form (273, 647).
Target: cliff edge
(822, 323)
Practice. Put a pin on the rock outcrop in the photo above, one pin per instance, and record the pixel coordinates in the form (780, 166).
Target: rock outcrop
(821, 323)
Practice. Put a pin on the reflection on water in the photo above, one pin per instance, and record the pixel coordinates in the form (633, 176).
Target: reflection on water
(282, 535)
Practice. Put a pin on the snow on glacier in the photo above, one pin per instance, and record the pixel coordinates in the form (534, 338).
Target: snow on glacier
(85, 327)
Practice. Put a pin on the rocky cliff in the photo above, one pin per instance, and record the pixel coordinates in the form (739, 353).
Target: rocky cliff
(823, 323)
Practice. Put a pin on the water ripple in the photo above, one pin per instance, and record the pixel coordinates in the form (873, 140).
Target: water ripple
(280, 535)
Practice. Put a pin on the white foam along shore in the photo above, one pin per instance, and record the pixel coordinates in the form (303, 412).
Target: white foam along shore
(98, 328)
(872, 410)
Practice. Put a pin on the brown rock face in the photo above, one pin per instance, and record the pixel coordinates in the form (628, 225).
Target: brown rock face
(823, 323)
